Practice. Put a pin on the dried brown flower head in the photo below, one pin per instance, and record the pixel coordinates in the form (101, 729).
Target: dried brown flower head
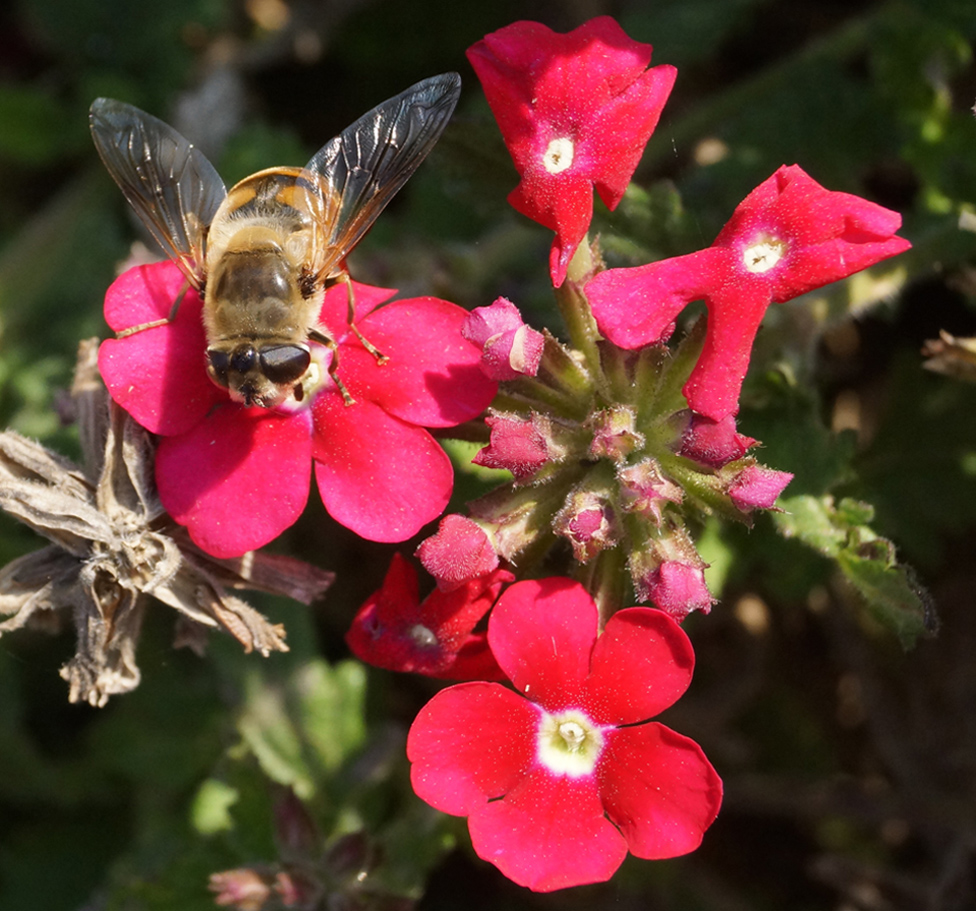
(112, 544)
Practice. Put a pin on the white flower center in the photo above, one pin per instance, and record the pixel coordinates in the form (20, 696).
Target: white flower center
(559, 155)
(423, 636)
(569, 743)
(764, 254)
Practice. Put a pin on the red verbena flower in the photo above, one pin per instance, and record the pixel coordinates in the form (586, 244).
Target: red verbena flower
(576, 111)
(396, 631)
(238, 476)
(787, 237)
(561, 778)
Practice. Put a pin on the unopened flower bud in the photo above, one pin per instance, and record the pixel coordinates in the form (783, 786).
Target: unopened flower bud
(714, 443)
(757, 487)
(457, 552)
(297, 834)
(678, 589)
(645, 490)
(510, 348)
(243, 889)
(587, 522)
(295, 890)
(614, 434)
(523, 446)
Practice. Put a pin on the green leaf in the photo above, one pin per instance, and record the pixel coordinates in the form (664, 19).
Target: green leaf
(867, 560)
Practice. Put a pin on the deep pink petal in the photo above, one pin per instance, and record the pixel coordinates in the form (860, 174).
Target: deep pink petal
(659, 788)
(550, 833)
(623, 128)
(815, 266)
(734, 315)
(432, 377)
(636, 307)
(380, 477)
(542, 632)
(642, 663)
(376, 633)
(237, 479)
(471, 743)
(474, 661)
(334, 315)
(158, 375)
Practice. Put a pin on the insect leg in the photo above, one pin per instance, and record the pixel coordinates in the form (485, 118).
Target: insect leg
(367, 344)
(132, 330)
(317, 335)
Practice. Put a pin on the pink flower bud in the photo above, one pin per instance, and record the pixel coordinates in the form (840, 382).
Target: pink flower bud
(678, 589)
(757, 487)
(587, 522)
(295, 829)
(243, 889)
(645, 490)
(517, 444)
(510, 348)
(458, 552)
(614, 434)
(296, 890)
(714, 443)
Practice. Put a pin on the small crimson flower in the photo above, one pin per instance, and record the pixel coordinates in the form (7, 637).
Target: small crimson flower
(236, 477)
(562, 777)
(787, 237)
(396, 631)
(576, 111)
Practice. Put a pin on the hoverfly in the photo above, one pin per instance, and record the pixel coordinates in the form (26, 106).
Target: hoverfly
(262, 255)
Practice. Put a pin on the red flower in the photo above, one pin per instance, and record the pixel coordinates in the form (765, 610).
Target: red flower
(558, 786)
(787, 237)
(394, 630)
(238, 476)
(575, 111)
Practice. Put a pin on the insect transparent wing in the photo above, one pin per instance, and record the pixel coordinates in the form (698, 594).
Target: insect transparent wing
(171, 185)
(358, 172)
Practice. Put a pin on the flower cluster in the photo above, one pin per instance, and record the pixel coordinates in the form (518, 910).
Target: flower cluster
(618, 443)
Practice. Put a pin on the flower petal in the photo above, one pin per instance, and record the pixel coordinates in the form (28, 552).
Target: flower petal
(642, 663)
(472, 742)
(659, 788)
(377, 475)
(334, 315)
(637, 306)
(550, 833)
(734, 315)
(542, 632)
(237, 479)
(432, 377)
(158, 375)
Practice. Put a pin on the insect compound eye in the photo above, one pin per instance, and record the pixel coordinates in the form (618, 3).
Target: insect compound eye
(285, 363)
(244, 359)
(219, 365)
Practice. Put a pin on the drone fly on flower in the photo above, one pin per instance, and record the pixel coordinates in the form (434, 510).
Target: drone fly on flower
(262, 254)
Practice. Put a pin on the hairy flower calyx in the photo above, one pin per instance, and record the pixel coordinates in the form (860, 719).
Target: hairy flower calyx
(569, 743)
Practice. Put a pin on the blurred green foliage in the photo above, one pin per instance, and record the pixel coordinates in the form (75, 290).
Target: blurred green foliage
(807, 705)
